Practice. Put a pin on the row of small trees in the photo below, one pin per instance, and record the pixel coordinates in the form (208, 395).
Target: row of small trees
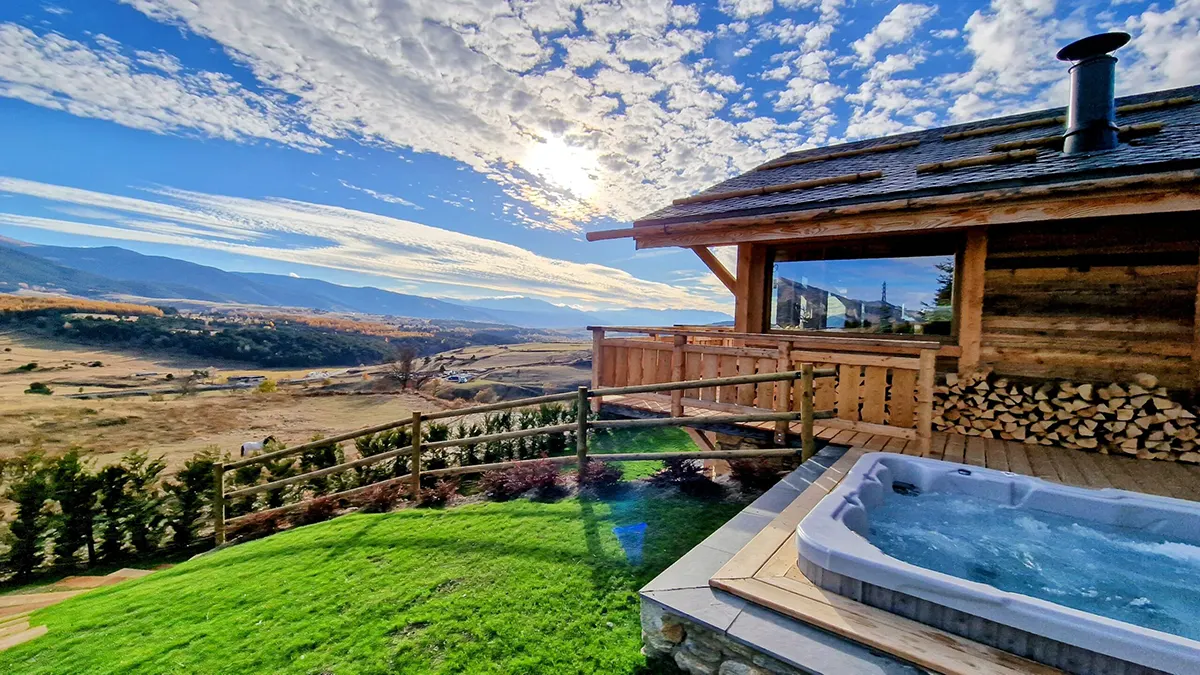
(67, 513)
(529, 447)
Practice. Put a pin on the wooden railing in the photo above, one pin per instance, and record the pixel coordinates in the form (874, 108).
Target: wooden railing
(580, 427)
(881, 386)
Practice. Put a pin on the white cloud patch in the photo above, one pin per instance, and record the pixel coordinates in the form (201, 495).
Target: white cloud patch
(896, 28)
(382, 196)
(745, 9)
(434, 259)
(99, 80)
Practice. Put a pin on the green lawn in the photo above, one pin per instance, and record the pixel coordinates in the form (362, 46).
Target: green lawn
(516, 587)
(653, 439)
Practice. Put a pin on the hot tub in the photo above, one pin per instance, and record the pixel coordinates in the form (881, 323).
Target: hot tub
(1089, 581)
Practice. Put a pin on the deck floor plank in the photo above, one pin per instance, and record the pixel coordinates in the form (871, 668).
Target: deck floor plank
(1039, 459)
(1114, 471)
(844, 437)
(1063, 463)
(876, 443)
(895, 445)
(937, 446)
(955, 446)
(1018, 458)
(975, 451)
(993, 449)
(1090, 469)
(1146, 473)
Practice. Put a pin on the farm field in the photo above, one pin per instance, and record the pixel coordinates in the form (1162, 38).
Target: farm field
(175, 426)
(514, 587)
(513, 371)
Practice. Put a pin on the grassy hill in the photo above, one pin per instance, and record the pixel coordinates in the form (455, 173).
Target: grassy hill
(516, 587)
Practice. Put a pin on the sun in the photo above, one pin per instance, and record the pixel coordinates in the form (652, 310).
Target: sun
(566, 167)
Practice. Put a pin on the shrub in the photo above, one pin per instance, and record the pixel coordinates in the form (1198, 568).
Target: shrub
(28, 367)
(381, 498)
(267, 387)
(321, 457)
(599, 476)
(191, 488)
(256, 526)
(316, 511)
(74, 488)
(685, 474)
(29, 488)
(284, 467)
(112, 480)
(539, 477)
(144, 519)
(39, 388)
(439, 495)
(755, 473)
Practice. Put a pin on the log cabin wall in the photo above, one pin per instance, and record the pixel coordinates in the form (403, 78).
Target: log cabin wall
(1097, 300)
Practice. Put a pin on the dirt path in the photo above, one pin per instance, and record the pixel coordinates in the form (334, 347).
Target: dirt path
(16, 609)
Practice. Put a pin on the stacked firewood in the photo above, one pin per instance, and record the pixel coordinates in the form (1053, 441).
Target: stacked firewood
(1136, 418)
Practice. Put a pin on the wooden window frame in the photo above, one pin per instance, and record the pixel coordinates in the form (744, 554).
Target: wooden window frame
(875, 248)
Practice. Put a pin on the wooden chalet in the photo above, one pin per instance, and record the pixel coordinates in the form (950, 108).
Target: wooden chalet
(1074, 239)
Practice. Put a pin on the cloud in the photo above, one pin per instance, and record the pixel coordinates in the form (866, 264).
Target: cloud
(638, 100)
(478, 82)
(382, 196)
(745, 9)
(895, 28)
(98, 80)
(435, 260)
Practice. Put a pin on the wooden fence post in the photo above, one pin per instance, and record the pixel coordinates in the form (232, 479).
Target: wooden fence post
(677, 374)
(597, 364)
(783, 391)
(415, 461)
(808, 443)
(581, 431)
(925, 376)
(218, 502)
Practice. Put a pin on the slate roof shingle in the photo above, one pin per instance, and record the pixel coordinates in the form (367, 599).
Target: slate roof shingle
(1176, 146)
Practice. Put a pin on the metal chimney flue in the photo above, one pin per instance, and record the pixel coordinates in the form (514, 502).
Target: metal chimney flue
(1091, 118)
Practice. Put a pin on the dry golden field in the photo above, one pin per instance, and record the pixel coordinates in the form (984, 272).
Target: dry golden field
(172, 425)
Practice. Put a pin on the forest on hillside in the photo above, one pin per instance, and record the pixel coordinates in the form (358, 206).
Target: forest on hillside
(268, 345)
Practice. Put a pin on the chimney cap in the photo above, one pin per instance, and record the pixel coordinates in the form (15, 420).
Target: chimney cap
(1093, 45)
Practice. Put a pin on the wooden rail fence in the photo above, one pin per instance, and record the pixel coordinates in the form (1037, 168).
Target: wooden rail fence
(806, 414)
(880, 386)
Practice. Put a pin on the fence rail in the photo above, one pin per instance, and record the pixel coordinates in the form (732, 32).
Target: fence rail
(580, 426)
(875, 385)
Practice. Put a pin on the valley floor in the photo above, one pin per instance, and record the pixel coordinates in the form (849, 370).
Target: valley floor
(171, 425)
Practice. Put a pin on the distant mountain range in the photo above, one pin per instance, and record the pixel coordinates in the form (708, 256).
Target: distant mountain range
(110, 270)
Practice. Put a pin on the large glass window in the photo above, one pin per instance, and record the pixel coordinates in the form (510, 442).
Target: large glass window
(901, 295)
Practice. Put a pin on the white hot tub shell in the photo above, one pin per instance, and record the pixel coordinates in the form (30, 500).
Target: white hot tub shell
(835, 554)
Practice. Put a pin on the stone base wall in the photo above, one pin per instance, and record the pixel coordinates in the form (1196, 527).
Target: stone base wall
(698, 650)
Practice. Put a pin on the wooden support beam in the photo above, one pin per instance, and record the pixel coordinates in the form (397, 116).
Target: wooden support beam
(597, 364)
(750, 298)
(415, 460)
(1196, 337)
(969, 312)
(716, 267)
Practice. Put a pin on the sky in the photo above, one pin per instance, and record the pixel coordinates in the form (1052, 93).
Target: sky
(462, 148)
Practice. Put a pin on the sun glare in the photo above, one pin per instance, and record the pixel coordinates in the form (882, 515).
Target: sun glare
(564, 166)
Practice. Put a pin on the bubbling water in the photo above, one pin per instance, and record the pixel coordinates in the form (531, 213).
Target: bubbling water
(1127, 575)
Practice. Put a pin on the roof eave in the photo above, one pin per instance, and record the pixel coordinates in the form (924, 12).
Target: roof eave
(1159, 192)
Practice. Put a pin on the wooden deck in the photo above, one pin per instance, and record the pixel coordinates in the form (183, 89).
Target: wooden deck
(1073, 467)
